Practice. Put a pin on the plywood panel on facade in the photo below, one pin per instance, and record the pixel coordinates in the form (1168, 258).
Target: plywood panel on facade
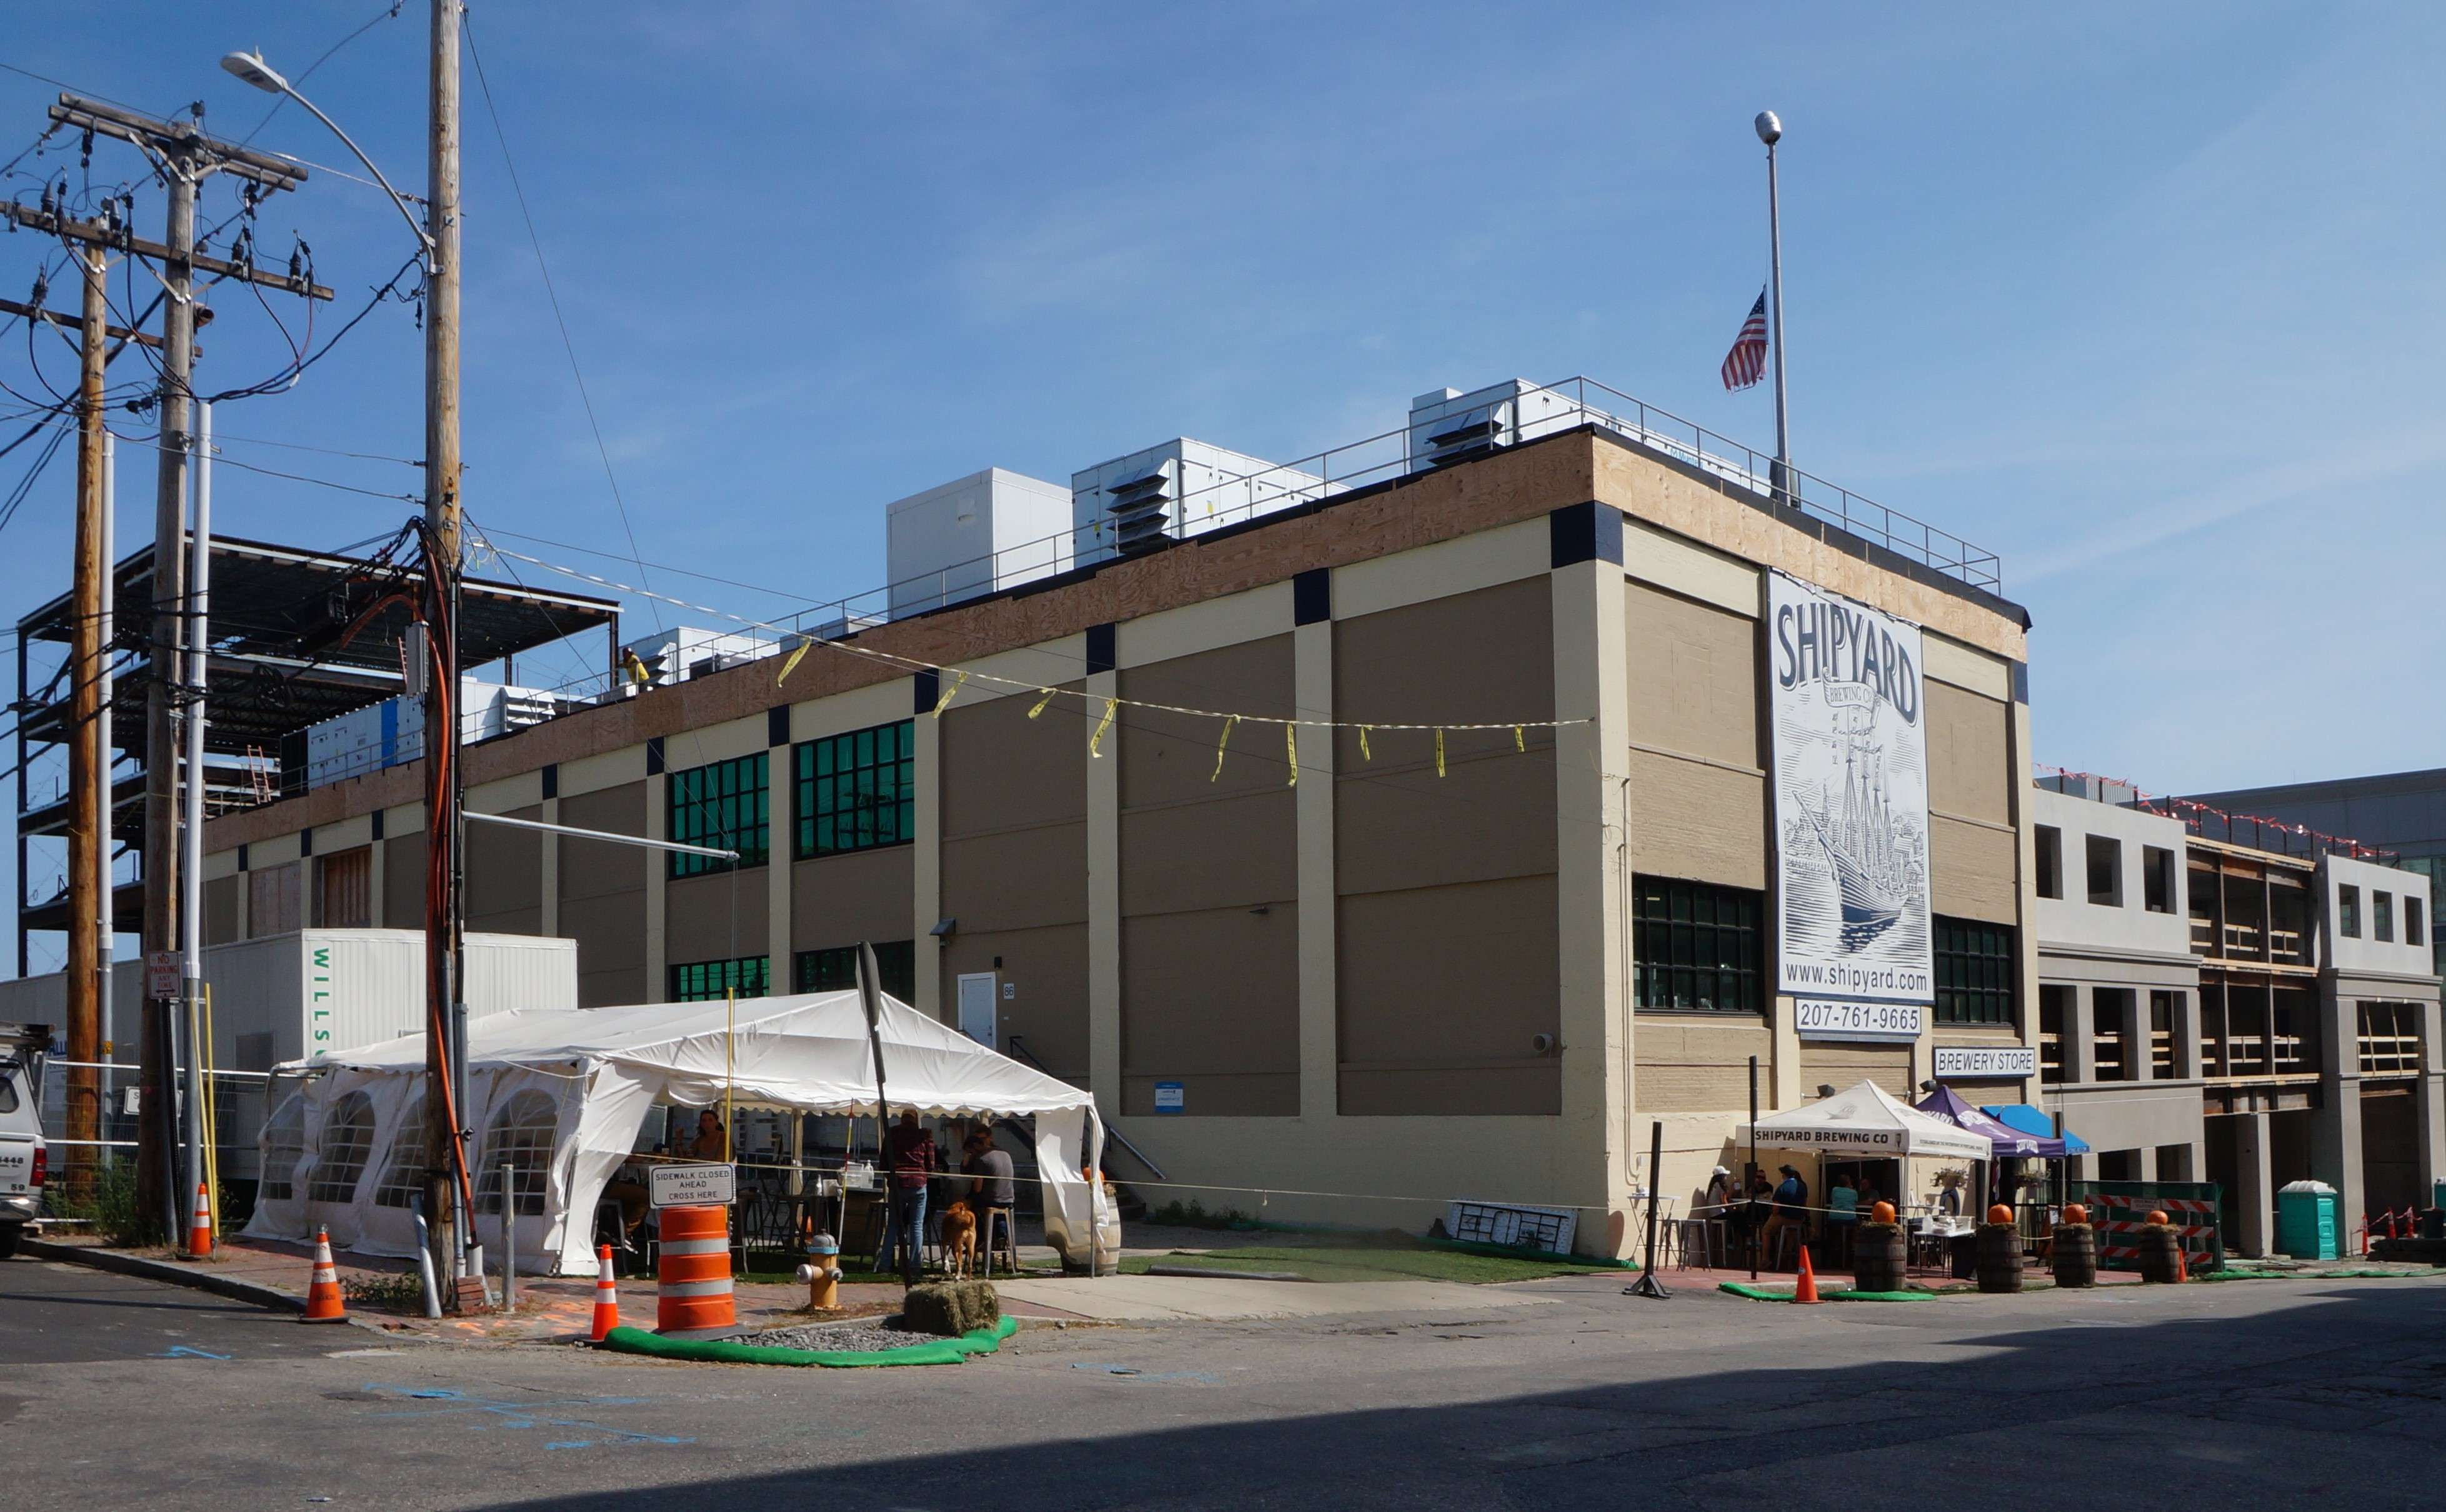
(1169, 757)
(1969, 761)
(1002, 770)
(1687, 1066)
(1473, 658)
(1693, 677)
(1826, 1064)
(403, 864)
(1211, 999)
(1020, 878)
(1438, 985)
(1695, 821)
(720, 916)
(1045, 972)
(504, 873)
(1973, 871)
(220, 910)
(275, 900)
(1235, 853)
(865, 894)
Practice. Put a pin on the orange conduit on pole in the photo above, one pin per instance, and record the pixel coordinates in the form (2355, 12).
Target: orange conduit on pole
(693, 1278)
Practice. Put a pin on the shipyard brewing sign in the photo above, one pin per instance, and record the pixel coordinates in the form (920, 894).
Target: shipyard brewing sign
(1850, 802)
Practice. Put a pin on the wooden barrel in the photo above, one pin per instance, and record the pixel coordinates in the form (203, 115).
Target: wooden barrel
(2161, 1246)
(2075, 1255)
(693, 1279)
(1999, 1257)
(1877, 1257)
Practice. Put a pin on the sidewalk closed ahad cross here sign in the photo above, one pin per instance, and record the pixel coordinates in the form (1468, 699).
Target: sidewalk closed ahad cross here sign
(691, 1185)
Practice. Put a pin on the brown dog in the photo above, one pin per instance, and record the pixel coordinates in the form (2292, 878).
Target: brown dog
(960, 1238)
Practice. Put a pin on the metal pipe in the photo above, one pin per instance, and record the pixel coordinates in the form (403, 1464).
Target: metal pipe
(424, 1259)
(602, 834)
(509, 1238)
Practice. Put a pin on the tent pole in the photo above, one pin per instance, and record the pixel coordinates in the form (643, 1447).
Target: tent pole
(729, 1072)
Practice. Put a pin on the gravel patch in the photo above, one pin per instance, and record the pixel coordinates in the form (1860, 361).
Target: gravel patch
(859, 1338)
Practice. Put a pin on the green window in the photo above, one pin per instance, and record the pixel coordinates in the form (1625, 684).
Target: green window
(1974, 971)
(858, 791)
(835, 970)
(722, 804)
(709, 981)
(1695, 948)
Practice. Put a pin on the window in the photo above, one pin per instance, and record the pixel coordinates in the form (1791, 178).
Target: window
(2050, 861)
(1695, 948)
(710, 981)
(340, 1154)
(858, 791)
(2382, 916)
(835, 970)
(2411, 919)
(2106, 871)
(284, 1144)
(2110, 1044)
(2157, 879)
(1974, 971)
(2161, 1035)
(520, 1138)
(2055, 1006)
(2349, 912)
(402, 1173)
(722, 804)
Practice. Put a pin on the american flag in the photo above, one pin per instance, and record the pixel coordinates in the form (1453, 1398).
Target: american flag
(1747, 363)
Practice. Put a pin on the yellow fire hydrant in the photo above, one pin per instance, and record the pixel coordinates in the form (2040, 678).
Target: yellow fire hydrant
(822, 1270)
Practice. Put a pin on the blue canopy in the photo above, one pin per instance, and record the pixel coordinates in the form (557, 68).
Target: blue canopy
(2040, 1125)
(2008, 1142)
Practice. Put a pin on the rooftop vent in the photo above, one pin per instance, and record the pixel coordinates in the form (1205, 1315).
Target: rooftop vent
(1447, 425)
(1181, 488)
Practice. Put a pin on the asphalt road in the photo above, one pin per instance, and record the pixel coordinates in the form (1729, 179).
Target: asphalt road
(2266, 1395)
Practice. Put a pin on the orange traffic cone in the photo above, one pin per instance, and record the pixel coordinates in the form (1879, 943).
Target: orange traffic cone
(2182, 1264)
(1805, 1289)
(607, 1297)
(323, 1304)
(199, 1227)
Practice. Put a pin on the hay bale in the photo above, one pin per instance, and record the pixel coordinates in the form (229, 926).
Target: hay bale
(951, 1308)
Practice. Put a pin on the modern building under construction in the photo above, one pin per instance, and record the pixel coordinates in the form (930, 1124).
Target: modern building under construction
(1496, 899)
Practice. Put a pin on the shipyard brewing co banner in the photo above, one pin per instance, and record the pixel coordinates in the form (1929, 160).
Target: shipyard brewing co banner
(1851, 814)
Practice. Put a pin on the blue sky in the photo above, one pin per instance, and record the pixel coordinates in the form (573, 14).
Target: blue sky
(2146, 299)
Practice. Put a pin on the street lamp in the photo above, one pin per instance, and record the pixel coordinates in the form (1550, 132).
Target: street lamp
(250, 67)
(1770, 130)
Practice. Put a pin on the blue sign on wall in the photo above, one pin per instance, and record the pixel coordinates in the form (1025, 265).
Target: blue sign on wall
(1168, 1096)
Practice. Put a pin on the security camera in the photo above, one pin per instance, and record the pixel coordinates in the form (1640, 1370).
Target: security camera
(1542, 1044)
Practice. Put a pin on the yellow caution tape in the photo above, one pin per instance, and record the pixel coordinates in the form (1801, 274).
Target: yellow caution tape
(791, 665)
(1041, 702)
(1096, 742)
(1290, 745)
(1439, 753)
(948, 693)
(1228, 722)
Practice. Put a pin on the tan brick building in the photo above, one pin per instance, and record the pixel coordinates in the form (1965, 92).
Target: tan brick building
(1406, 975)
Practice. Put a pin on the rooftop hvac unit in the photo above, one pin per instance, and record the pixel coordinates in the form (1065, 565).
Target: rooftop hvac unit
(684, 651)
(1181, 488)
(1447, 425)
(972, 537)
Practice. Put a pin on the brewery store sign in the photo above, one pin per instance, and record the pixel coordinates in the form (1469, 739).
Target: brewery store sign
(1974, 1062)
(1850, 815)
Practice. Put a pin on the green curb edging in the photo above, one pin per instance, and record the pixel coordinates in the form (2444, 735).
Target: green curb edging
(1761, 1294)
(935, 1352)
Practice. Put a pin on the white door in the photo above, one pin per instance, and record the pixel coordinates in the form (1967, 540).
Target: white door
(977, 1010)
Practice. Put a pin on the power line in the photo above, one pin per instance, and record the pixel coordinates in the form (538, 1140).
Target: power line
(388, 12)
(636, 554)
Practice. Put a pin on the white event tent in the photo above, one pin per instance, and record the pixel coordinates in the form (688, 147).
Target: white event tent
(561, 1094)
(1864, 1120)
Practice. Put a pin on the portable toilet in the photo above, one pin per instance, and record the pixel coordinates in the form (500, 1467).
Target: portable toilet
(2307, 1226)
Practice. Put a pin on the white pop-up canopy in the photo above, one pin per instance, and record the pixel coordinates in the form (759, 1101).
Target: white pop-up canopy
(560, 1094)
(1865, 1120)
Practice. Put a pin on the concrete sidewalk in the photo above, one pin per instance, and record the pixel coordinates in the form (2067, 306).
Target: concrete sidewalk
(1181, 1299)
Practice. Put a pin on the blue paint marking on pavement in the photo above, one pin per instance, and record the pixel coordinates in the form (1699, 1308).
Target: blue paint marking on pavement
(483, 1413)
(188, 1351)
(1133, 1372)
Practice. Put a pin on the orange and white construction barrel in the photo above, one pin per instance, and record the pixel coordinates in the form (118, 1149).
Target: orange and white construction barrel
(692, 1277)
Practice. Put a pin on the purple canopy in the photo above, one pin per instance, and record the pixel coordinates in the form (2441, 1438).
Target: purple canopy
(2010, 1142)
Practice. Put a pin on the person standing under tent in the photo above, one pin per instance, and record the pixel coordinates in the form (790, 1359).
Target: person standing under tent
(1843, 1205)
(1791, 1214)
(909, 1162)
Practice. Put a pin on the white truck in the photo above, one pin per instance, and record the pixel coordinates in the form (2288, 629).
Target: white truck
(24, 1159)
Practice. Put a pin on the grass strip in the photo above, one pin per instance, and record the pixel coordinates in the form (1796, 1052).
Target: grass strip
(1851, 1294)
(725, 1351)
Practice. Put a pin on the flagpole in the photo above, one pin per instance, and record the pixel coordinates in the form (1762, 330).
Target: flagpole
(1770, 131)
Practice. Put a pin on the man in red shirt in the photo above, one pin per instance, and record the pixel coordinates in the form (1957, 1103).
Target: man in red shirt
(910, 1162)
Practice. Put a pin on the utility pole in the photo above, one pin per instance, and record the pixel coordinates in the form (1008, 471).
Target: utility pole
(88, 764)
(447, 1191)
(183, 156)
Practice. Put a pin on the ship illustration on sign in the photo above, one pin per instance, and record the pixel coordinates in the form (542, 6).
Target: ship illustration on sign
(1872, 853)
